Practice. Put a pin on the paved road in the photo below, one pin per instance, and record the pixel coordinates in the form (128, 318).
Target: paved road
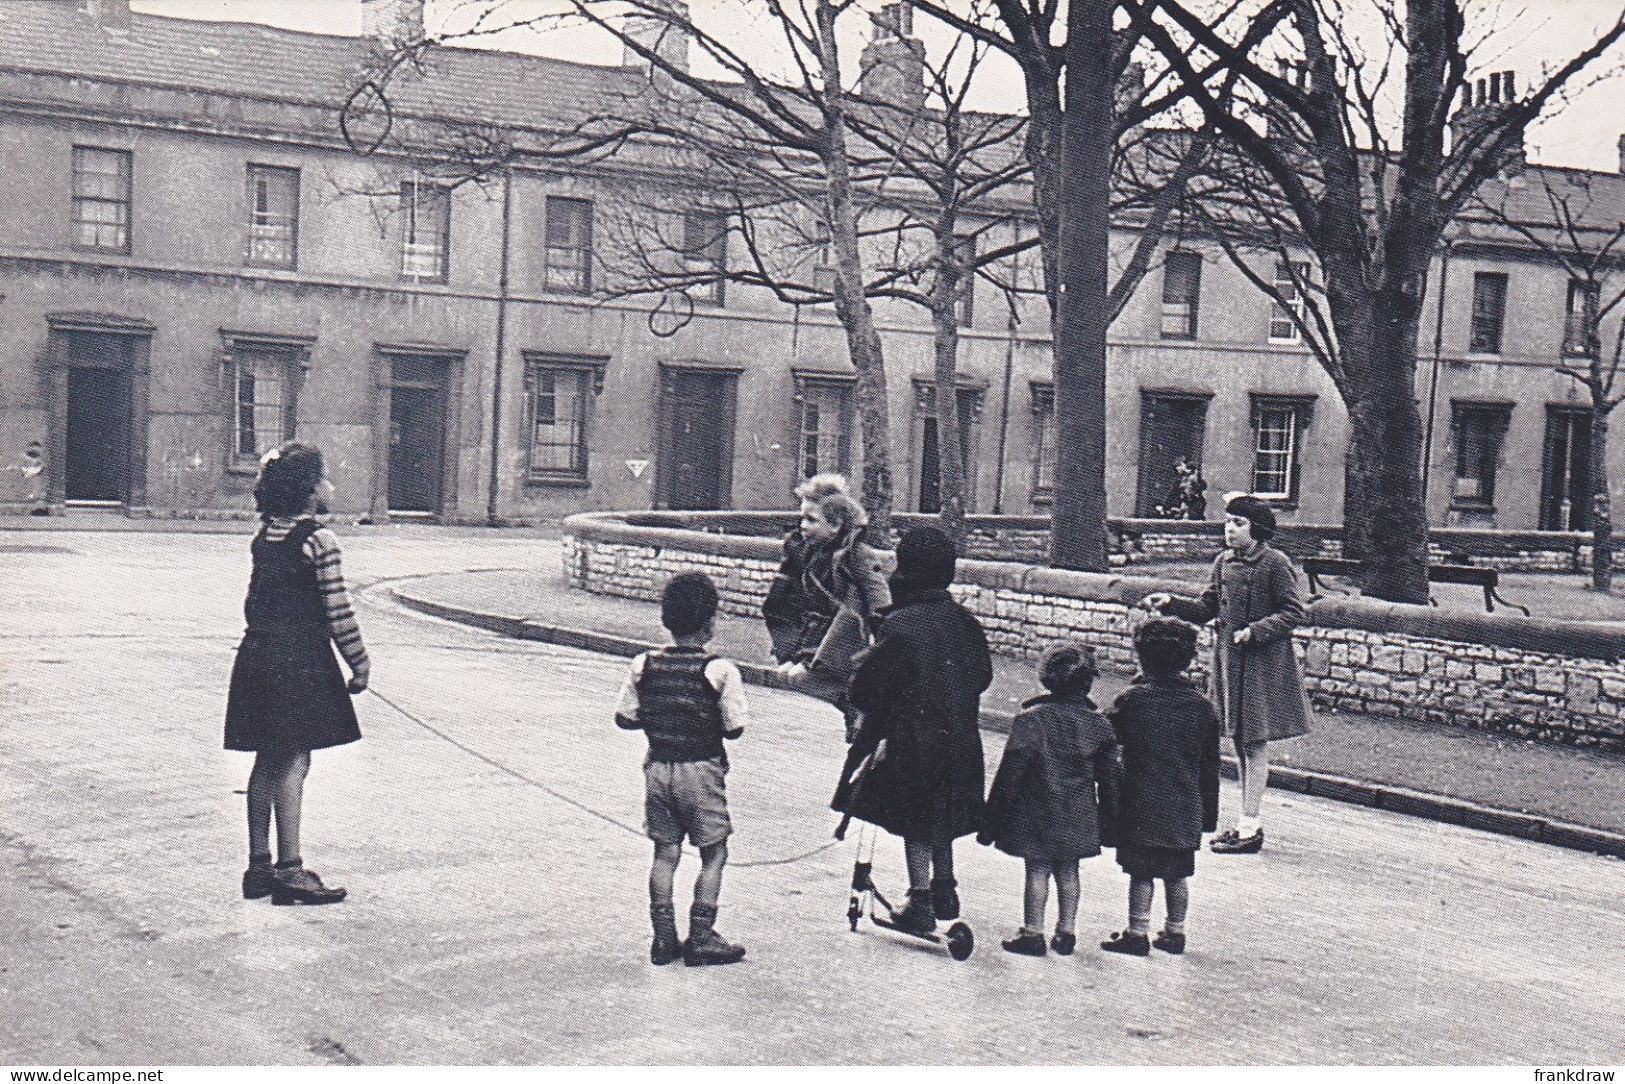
(498, 911)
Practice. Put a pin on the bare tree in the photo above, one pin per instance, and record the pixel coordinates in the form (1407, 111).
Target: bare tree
(1370, 194)
(1593, 255)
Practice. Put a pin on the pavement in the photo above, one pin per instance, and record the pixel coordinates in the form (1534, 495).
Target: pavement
(488, 828)
(1497, 782)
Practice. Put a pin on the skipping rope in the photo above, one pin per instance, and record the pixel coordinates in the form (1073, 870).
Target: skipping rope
(565, 798)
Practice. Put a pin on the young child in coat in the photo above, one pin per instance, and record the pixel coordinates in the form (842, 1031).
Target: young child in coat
(686, 702)
(1054, 797)
(288, 695)
(1169, 793)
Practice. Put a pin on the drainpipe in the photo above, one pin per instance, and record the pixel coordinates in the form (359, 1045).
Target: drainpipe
(491, 517)
(1433, 377)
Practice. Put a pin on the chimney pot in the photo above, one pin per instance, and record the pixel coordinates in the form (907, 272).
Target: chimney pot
(892, 65)
(1622, 155)
(109, 14)
(393, 22)
(666, 35)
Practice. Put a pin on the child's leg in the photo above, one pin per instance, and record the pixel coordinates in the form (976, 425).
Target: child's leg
(1256, 774)
(662, 872)
(1241, 771)
(917, 856)
(942, 862)
(708, 885)
(1179, 901)
(1142, 892)
(288, 802)
(705, 945)
(261, 788)
(1037, 897)
(1066, 896)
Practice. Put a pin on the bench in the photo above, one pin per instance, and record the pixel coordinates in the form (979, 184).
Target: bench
(1472, 575)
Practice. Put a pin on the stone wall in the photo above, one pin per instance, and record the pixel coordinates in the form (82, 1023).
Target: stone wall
(1553, 680)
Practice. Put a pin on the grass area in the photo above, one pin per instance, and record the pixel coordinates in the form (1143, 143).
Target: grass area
(1558, 596)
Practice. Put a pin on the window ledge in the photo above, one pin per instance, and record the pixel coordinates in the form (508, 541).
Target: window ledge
(1475, 509)
(558, 481)
(246, 468)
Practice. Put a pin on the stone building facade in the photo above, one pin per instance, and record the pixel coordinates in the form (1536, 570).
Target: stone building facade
(194, 266)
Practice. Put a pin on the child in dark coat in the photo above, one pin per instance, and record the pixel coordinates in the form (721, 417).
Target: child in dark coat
(1169, 793)
(1054, 797)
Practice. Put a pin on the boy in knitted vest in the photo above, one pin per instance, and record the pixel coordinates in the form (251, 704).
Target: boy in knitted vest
(686, 702)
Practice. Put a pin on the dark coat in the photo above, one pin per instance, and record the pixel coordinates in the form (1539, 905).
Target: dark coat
(823, 607)
(1257, 590)
(920, 690)
(1169, 794)
(1054, 796)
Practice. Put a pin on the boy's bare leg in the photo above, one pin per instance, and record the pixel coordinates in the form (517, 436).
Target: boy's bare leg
(1037, 896)
(663, 872)
(708, 885)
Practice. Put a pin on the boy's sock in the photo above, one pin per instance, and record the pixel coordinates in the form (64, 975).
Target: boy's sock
(259, 859)
(700, 921)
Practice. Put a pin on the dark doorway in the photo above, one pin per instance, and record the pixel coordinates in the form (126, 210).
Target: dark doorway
(1565, 489)
(417, 438)
(1172, 427)
(930, 495)
(97, 465)
(696, 442)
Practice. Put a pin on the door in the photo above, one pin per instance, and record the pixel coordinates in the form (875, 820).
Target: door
(929, 442)
(697, 442)
(416, 445)
(1565, 489)
(1172, 428)
(98, 435)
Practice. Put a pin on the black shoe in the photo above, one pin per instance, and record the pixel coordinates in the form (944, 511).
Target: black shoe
(665, 950)
(1128, 943)
(300, 885)
(1063, 943)
(710, 948)
(918, 916)
(258, 881)
(945, 899)
(1026, 944)
(1171, 943)
(1232, 843)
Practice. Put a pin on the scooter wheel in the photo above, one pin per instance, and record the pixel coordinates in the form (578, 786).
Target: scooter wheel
(961, 942)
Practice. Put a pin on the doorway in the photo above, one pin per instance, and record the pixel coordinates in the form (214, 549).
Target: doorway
(928, 442)
(1565, 488)
(417, 436)
(96, 463)
(1172, 428)
(696, 439)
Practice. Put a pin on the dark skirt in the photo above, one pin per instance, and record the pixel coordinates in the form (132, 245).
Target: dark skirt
(288, 695)
(1165, 863)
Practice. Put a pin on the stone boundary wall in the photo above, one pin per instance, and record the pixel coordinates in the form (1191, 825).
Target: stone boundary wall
(1143, 541)
(1557, 681)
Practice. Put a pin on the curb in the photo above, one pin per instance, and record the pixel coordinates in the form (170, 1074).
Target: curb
(1393, 799)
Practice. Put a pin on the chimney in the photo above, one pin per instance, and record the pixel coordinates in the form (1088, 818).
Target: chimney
(1481, 104)
(660, 26)
(1622, 155)
(892, 67)
(108, 14)
(392, 22)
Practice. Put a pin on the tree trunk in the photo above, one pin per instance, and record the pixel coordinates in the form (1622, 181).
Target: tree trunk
(1083, 310)
(1386, 448)
(951, 510)
(1602, 511)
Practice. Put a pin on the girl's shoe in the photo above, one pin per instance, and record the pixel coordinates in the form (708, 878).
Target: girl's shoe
(1172, 943)
(945, 898)
(258, 881)
(1026, 944)
(300, 885)
(1233, 843)
(1063, 943)
(1128, 943)
(918, 916)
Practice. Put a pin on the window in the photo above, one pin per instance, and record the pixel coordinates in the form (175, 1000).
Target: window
(425, 231)
(101, 199)
(1580, 322)
(569, 245)
(1489, 312)
(1043, 443)
(273, 216)
(560, 392)
(1181, 290)
(824, 434)
(1284, 318)
(1278, 426)
(263, 381)
(1476, 431)
(705, 254)
(964, 254)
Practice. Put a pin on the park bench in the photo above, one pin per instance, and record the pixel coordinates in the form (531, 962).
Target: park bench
(1473, 575)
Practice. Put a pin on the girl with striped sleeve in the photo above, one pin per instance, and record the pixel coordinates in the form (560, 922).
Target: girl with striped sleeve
(288, 695)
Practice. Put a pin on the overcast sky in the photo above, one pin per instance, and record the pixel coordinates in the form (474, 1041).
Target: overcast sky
(1532, 33)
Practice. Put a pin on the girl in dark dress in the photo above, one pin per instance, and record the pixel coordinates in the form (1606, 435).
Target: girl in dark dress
(1053, 800)
(288, 695)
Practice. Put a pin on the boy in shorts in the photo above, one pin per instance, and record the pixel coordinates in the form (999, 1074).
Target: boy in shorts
(686, 702)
